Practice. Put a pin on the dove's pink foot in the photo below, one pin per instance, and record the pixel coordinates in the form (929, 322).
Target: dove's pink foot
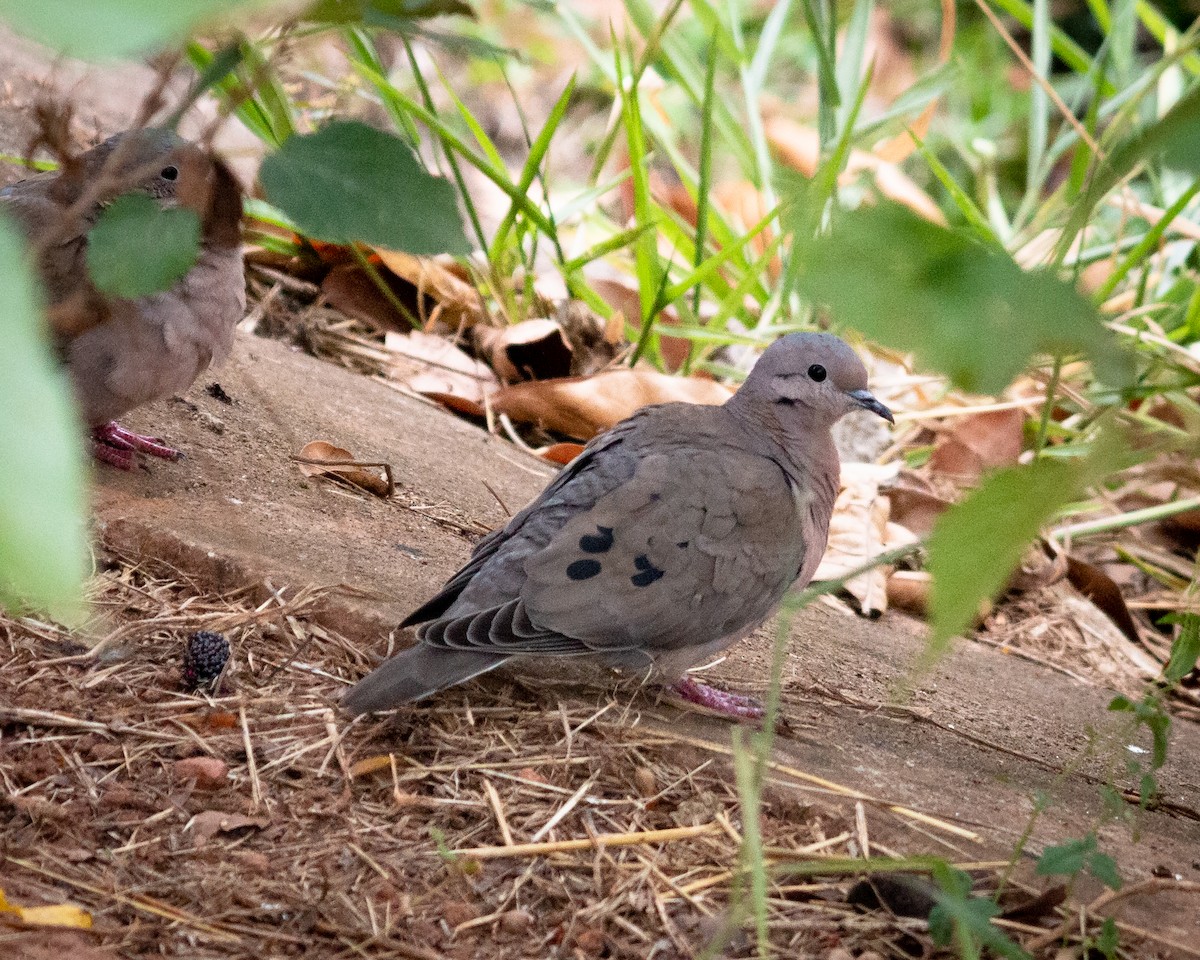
(114, 445)
(730, 704)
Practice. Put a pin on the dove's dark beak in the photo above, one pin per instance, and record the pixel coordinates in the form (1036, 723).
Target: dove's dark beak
(866, 400)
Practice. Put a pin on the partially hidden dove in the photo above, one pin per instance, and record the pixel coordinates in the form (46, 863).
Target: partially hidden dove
(670, 537)
(122, 353)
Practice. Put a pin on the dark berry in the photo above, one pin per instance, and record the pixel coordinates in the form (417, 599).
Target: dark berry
(204, 658)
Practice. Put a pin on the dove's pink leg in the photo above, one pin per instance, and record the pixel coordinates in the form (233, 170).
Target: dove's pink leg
(114, 445)
(731, 704)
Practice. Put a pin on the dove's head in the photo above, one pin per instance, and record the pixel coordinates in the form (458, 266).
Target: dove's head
(809, 379)
(175, 172)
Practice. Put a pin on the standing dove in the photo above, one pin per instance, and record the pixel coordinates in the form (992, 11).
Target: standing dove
(670, 537)
(121, 353)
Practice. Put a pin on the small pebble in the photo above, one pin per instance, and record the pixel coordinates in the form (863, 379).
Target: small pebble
(208, 772)
(645, 781)
(590, 941)
(516, 921)
(458, 912)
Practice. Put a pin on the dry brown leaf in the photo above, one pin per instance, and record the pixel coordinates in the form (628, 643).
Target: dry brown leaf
(348, 288)
(744, 206)
(1100, 588)
(530, 350)
(859, 531)
(319, 458)
(446, 373)
(456, 303)
(971, 445)
(585, 406)
(902, 145)
(916, 504)
(799, 147)
(620, 291)
(561, 453)
(909, 590)
(208, 823)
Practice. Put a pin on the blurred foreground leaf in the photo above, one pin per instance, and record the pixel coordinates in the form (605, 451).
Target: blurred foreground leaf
(976, 544)
(1186, 649)
(43, 537)
(352, 183)
(137, 248)
(966, 310)
(384, 13)
(112, 29)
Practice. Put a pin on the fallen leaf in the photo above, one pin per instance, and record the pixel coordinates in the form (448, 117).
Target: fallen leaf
(208, 823)
(909, 590)
(561, 453)
(322, 459)
(799, 147)
(585, 406)
(1036, 909)
(53, 915)
(915, 503)
(744, 206)
(348, 288)
(1099, 587)
(975, 443)
(620, 291)
(444, 371)
(859, 531)
(453, 302)
(530, 350)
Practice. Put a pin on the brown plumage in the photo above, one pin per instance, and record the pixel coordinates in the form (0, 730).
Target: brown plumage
(669, 538)
(122, 353)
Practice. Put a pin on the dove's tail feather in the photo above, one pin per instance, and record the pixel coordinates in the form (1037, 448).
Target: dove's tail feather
(415, 674)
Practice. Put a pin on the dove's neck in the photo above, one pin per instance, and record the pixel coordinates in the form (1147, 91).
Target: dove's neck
(799, 436)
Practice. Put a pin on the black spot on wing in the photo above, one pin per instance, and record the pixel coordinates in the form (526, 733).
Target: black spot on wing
(599, 542)
(649, 572)
(583, 569)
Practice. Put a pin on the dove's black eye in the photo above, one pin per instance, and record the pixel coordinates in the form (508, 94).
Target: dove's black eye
(170, 173)
(817, 372)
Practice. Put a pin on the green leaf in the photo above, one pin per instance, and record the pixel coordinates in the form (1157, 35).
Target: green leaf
(1176, 136)
(1075, 856)
(1066, 859)
(966, 920)
(1108, 942)
(352, 183)
(113, 29)
(1104, 868)
(965, 309)
(383, 12)
(137, 248)
(43, 532)
(976, 544)
(1186, 649)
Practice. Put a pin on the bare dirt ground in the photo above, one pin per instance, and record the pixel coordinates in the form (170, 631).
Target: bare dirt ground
(262, 823)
